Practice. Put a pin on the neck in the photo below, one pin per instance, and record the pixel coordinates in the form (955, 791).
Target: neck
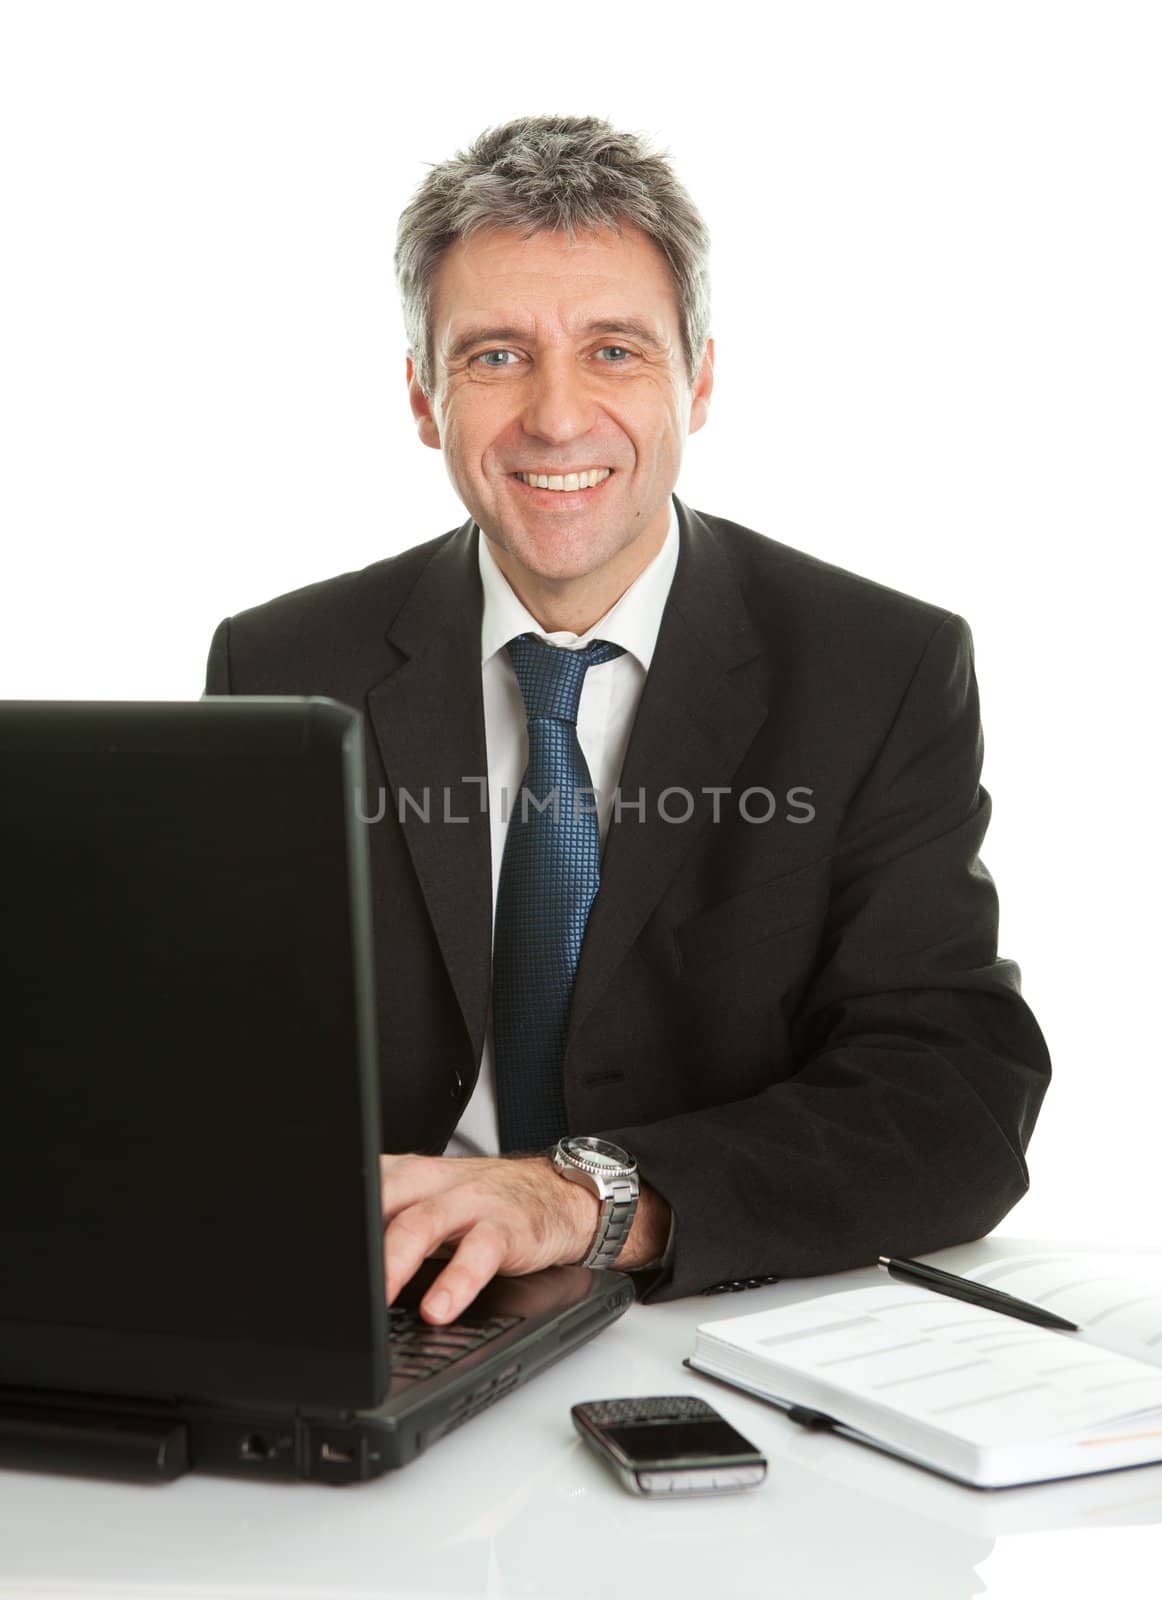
(573, 605)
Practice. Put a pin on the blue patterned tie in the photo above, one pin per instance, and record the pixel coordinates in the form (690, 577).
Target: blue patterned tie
(548, 878)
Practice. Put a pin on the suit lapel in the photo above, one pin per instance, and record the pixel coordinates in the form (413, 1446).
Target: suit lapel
(428, 719)
(696, 719)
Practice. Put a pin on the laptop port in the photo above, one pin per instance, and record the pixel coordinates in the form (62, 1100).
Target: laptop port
(331, 1452)
(255, 1448)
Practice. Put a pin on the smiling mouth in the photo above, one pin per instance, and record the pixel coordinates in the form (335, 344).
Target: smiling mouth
(565, 483)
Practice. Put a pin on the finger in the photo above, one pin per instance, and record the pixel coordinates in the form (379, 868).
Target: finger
(473, 1264)
(407, 1242)
(414, 1233)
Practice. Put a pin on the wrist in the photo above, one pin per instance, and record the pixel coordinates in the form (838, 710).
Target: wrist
(647, 1237)
(584, 1215)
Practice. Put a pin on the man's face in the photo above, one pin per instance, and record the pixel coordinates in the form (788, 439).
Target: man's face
(551, 359)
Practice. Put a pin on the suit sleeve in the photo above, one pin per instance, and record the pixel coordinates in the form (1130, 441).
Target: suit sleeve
(218, 661)
(919, 1069)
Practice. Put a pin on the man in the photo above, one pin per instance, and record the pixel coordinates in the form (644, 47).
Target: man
(750, 944)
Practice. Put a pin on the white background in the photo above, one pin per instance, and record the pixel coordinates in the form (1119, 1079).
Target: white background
(936, 268)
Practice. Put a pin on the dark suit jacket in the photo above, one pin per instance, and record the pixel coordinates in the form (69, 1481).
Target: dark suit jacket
(799, 1026)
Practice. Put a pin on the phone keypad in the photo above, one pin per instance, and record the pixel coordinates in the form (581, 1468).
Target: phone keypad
(665, 1408)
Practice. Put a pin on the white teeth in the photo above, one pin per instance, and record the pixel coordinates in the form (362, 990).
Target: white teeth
(571, 480)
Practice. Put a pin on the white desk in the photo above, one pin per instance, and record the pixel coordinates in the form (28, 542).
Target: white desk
(513, 1504)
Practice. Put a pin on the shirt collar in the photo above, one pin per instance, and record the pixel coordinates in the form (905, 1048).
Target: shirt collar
(632, 621)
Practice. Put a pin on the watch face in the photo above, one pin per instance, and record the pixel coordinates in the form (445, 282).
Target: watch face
(597, 1153)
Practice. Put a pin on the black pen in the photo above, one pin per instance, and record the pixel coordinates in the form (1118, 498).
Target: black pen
(978, 1294)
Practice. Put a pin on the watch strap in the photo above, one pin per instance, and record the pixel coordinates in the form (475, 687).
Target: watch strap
(613, 1223)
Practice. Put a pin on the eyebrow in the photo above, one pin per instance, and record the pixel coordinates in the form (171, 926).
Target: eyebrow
(630, 327)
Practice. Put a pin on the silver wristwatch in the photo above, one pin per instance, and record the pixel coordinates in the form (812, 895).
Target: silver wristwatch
(611, 1173)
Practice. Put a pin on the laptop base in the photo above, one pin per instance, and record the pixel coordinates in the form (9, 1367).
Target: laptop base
(140, 1439)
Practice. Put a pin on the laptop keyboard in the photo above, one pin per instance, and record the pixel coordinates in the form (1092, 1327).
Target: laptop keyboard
(419, 1349)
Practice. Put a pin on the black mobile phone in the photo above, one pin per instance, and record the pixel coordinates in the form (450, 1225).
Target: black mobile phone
(669, 1444)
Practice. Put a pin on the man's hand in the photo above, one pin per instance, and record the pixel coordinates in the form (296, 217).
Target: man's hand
(510, 1214)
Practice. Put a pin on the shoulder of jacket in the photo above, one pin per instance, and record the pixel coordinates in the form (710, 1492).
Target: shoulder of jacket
(379, 589)
(766, 559)
(778, 576)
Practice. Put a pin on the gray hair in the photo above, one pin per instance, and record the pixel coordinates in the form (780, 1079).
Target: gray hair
(538, 174)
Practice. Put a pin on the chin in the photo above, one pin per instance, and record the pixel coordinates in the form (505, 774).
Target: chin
(559, 561)
(563, 568)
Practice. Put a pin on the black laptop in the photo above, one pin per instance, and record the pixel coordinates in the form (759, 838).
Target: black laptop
(191, 1255)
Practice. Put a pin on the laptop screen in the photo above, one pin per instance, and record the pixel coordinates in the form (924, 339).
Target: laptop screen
(189, 1120)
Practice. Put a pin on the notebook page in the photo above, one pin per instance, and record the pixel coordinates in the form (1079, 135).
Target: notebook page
(960, 1368)
(1115, 1301)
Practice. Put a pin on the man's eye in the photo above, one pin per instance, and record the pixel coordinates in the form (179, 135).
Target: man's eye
(506, 358)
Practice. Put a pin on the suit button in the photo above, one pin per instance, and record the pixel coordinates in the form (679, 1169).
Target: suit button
(457, 1088)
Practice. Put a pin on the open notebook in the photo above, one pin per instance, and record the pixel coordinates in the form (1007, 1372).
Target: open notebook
(972, 1393)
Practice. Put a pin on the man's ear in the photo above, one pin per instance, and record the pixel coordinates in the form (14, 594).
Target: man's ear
(703, 387)
(421, 408)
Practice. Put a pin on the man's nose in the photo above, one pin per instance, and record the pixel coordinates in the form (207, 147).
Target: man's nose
(558, 402)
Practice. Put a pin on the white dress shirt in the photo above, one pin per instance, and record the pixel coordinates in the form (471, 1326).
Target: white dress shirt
(605, 715)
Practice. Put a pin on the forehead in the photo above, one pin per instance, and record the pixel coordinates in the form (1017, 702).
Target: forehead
(546, 285)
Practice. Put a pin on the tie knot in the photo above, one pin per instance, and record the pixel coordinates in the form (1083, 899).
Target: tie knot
(551, 676)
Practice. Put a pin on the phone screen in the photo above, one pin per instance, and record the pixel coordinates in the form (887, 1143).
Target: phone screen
(661, 1441)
